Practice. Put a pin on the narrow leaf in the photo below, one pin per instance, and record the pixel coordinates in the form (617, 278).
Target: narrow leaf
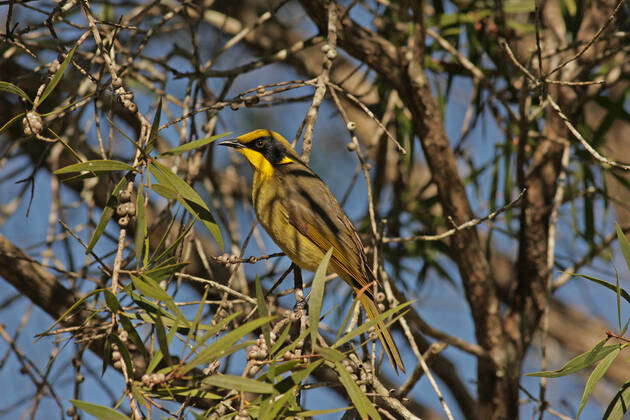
(263, 311)
(292, 382)
(330, 354)
(141, 226)
(164, 191)
(162, 339)
(216, 349)
(124, 352)
(71, 309)
(193, 144)
(624, 244)
(596, 375)
(188, 198)
(112, 302)
(213, 330)
(56, 77)
(358, 398)
(604, 283)
(367, 325)
(284, 335)
(317, 296)
(239, 383)
(275, 409)
(154, 128)
(313, 413)
(11, 88)
(163, 271)
(101, 412)
(150, 289)
(102, 165)
(106, 214)
(579, 362)
(619, 404)
(11, 122)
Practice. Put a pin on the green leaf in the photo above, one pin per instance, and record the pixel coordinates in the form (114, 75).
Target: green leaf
(346, 319)
(188, 198)
(624, 244)
(154, 128)
(112, 302)
(317, 295)
(187, 392)
(150, 289)
(162, 338)
(294, 343)
(197, 319)
(618, 284)
(107, 354)
(280, 341)
(11, 88)
(193, 145)
(293, 381)
(99, 411)
(280, 368)
(367, 325)
(358, 398)
(604, 283)
(102, 165)
(56, 77)
(216, 349)
(138, 394)
(106, 214)
(167, 254)
(149, 286)
(71, 309)
(141, 226)
(239, 383)
(313, 413)
(163, 271)
(263, 311)
(330, 354)
(213, 330)
(124, 352)
(596, 375)
(133, 335)
(11, 122)
(272, 409)
(619, 404)
(164, 191)
(579, 362)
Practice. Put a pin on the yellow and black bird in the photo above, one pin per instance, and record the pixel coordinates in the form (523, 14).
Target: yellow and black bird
(305, 220)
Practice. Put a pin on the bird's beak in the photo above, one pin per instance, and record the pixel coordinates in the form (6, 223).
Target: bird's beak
(232, 143)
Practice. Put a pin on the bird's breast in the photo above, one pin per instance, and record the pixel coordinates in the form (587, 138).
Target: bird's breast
(269, 197)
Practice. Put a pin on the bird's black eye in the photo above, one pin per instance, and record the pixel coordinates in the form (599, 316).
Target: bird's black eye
(260, 143)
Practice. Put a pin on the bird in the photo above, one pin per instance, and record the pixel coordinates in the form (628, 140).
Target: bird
(302, 216)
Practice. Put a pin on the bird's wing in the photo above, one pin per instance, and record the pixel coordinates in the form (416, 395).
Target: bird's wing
(316, 214)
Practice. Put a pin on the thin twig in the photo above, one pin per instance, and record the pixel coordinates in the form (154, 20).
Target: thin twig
(591, 42)
(219, 286)
(587, 146)
(466, 225)
(330, 52)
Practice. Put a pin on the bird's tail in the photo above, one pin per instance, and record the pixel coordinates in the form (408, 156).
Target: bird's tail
(386, 338)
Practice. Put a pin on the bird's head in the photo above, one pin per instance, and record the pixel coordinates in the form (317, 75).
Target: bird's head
(264, 149)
